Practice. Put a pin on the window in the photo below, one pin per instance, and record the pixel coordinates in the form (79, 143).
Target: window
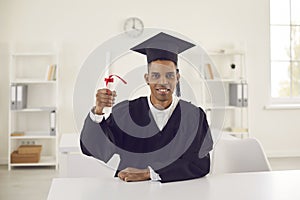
(285, 50)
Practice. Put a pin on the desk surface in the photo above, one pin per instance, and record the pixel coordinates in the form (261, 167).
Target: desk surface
(247, 186)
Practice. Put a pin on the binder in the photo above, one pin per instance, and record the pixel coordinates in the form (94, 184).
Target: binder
(21, 96)
(54, 72)
(51, 72)
(236, 94)
(209, 72)
(13, 99)
(245, 94)
(52, 123)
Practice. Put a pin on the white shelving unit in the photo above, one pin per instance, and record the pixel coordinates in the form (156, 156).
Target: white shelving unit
(31, 69)
(236, 117)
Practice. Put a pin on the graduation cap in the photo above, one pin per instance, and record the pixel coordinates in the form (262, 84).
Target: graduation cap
(163, 47)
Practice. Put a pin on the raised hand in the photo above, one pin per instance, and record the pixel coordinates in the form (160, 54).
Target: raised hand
(104, 98)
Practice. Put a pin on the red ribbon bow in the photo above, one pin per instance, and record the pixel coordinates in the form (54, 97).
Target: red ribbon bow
(111, 80)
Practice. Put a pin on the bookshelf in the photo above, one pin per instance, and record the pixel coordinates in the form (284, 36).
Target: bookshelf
(33, 82)
(230, 71)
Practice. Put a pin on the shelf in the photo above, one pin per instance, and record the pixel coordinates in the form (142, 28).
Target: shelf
(33, 123)
(222, 107)
(32, 81)
(44, 161)
(226, 80)
(34, 134)
(235, 133)
(224, 52)
(225, 76)
(32, 137)
(34, 54)
(42, 109)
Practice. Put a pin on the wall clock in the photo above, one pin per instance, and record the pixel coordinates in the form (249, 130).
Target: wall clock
(133, 27)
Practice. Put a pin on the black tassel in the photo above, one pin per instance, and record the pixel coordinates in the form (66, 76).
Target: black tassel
(178, 92)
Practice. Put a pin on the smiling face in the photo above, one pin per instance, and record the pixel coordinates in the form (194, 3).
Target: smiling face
(162, 79)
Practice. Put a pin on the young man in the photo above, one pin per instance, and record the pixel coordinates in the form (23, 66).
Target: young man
(158, 137)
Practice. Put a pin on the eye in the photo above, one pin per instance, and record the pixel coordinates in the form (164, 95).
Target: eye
(155, 75)
(170, 75)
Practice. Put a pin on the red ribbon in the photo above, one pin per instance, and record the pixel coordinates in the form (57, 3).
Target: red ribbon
(111, 80)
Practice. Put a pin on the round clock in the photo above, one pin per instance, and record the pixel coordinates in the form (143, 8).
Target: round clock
(133, 27)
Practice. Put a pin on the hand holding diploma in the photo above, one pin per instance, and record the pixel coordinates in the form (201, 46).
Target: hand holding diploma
(104, 98)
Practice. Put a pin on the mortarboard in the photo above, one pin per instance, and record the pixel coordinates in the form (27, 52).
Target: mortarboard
(163, 47)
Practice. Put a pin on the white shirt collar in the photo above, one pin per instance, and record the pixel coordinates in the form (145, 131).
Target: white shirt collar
(175, 100)
(161, 117)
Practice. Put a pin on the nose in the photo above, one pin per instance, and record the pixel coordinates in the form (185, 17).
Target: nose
(163, 80)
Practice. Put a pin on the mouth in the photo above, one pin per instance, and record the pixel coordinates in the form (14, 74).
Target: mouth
(163, 91)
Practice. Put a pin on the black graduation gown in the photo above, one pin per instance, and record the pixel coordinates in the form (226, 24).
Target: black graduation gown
(180, 151)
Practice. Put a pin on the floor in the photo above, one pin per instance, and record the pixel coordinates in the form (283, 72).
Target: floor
(25, 183)
(285, 163)
(34, 183)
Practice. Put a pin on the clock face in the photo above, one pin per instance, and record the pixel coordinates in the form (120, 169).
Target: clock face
(133, 27)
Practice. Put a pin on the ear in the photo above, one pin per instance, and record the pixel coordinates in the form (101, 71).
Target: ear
(177, 76)
(146, 77)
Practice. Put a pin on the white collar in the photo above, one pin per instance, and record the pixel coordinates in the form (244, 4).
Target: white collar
(175, 100)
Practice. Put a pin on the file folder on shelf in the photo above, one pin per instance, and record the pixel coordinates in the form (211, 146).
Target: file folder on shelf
(245, 94)
(21, 96)
(52, 123)
(13, 100)
(236, 94)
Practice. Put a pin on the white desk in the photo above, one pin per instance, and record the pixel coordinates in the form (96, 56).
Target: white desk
(280, 185)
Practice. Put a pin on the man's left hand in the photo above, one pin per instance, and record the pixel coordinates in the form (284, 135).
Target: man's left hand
(133, 174)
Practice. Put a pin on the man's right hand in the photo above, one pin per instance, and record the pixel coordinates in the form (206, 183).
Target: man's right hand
(104, 98)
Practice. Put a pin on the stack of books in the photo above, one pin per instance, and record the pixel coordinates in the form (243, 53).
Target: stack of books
(51, 72)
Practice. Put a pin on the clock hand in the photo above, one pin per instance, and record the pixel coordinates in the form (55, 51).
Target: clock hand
(133, 25)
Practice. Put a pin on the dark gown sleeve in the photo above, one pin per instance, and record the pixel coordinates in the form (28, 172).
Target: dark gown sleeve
(94, 141)
(185, 169)
(195, 162)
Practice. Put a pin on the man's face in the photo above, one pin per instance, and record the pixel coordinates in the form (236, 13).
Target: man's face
(162, 79)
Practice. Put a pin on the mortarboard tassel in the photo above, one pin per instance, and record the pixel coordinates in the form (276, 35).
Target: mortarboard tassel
(178, 93)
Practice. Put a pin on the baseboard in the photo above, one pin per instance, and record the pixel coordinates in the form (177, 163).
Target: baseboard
(3, 161)
(281, 154)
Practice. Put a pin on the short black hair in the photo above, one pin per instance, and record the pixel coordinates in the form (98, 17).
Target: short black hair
(177, 70)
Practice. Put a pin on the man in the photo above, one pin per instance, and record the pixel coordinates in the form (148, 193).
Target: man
(158, 137)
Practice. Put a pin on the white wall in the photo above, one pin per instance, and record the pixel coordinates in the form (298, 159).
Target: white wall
(3, 82)
(78, 26)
